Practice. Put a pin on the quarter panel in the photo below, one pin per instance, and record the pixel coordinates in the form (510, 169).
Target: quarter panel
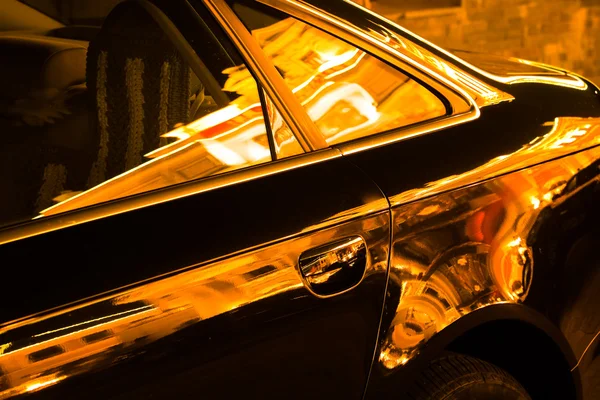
(469, 248)
(475, 211)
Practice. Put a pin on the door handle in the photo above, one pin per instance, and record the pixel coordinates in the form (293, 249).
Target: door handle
(334, 268)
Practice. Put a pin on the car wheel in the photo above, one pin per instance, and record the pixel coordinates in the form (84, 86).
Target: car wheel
(457, 377)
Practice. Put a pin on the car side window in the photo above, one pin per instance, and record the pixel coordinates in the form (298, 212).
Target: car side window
(347, 92)
(120, 115)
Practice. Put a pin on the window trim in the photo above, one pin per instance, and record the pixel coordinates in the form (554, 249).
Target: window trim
(40, 225)
(268, 127)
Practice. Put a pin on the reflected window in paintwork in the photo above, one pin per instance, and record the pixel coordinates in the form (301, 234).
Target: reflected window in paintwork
(347, 92)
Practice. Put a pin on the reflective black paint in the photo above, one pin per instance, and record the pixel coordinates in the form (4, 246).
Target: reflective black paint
(260, 349)
(565, 286)
(88, 259)
(291, 345)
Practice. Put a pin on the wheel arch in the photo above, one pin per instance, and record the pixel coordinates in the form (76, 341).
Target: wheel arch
(512, 336)
(525, 351)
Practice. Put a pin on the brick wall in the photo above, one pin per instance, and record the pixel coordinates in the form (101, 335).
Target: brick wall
(564, 33)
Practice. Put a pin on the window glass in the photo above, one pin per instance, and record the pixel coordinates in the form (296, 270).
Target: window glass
(347, 92)
(132, 118)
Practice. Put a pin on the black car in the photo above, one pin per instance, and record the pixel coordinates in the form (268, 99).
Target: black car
(289, 199)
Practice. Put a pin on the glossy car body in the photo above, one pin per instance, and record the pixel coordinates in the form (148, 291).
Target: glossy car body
(480, 230)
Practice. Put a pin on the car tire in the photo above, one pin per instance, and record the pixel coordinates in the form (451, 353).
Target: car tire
(458, 377)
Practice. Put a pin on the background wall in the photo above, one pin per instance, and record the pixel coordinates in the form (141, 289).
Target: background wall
(564, 33)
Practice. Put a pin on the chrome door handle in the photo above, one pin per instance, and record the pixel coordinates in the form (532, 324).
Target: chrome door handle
(335, 267)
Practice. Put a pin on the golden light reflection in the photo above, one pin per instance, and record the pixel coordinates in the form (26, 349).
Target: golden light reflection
(84, 338)
(483, 93)
(284, 141)
(567, 135)
(470, 247)
(42, 383)
(202, 127)
(227, 139)
(334, 81)
(535, 202)
(4, 347)
(135, 311)
(514, 243)
(571, 136)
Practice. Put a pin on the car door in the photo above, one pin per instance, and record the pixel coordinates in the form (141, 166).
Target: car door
(266, 281)
(202, 294)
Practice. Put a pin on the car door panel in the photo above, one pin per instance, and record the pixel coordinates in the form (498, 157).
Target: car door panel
(199, 295)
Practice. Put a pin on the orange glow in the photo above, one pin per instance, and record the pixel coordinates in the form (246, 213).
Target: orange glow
(203, 127)
(477, 88)
(227, 139)
(568, 134)
(535, 202)
(111, 317)
(466, 246)
(333, 80)
(42, 383)
(4, 347)
(161, 307)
